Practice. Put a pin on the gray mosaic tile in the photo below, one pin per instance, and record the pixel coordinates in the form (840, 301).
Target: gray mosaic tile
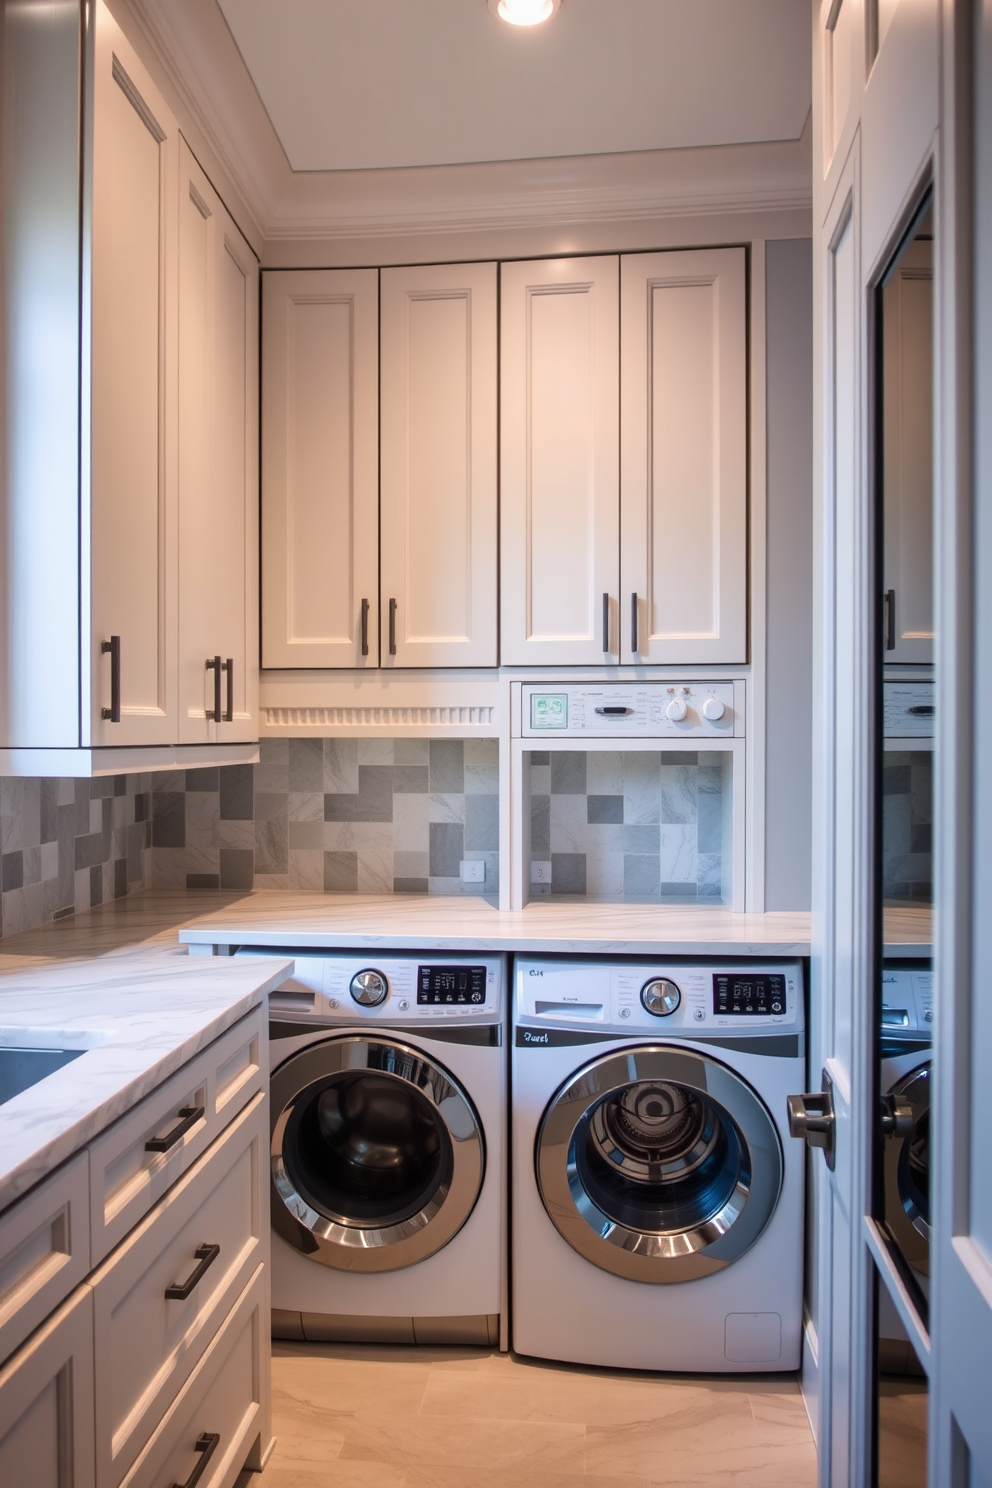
(373, 802)
(709, 823)
(540, 827)
(482, 823)
(168, 819)
(446, 808)
(410, 780)
(48, 811)
(272, 845)
(568, 774)
(447, 767)
(306, 868)
(642, 839)
(540, 757)
(679, 890)
(447, 846)
(12, 867)
(203, 780)
(341, 872)
(411, 886)
(568, 873)
(237, 868)
(412, 865)
(375, 752)
(341, 766)
(306, 834)
(203, 880)
(603, 809)
(237, 793)
(678, 792)
(641, 875)
(678, 854)
(272, 770)
(32, 864)
(411, 751)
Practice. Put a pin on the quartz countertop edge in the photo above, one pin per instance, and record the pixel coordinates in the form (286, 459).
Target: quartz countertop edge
(155, 1012)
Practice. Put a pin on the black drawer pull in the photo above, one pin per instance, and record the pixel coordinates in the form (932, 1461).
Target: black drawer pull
(205, 1256)
(229, 710)
(365, 627)
(207, 1444)
(392, 627)
(190, 1116)
(214, 665)
(113, 646)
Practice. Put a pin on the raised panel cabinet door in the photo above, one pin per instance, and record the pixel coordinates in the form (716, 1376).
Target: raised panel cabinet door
(218, 469)
(46, 1403)
(131, 506)
(907, 457)
(438, 442)
(559, 462)
(320, 468)
(683, 417)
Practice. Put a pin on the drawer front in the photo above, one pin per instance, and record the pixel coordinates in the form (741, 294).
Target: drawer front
(221, 1408)
(161, 1297)
(46, 1403)
(44, 1251)
(141, 1156)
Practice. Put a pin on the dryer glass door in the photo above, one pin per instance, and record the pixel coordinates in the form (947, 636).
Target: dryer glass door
(906, 1167)
(658, 1164)
(377, 1154)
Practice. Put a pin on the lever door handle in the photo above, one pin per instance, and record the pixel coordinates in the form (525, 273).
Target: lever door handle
(811, 1118)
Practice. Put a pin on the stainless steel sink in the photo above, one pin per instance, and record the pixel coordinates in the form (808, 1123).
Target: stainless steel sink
(22, 1068)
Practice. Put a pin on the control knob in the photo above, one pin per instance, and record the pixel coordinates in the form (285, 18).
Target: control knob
(676, 710)
(713, 709)
(660, 997)
(369, 987)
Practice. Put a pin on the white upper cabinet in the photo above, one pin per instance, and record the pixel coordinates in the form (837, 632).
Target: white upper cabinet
(320, 468)
(218, 473)
(132, 308)
(559, 474)
(438, 442)
(683, 497)
(907, 457)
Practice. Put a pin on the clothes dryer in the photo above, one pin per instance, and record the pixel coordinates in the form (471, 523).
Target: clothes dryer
(657, 1205)
(388, 1113)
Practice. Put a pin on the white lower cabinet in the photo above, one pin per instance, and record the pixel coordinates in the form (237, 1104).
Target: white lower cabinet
(46, 1403)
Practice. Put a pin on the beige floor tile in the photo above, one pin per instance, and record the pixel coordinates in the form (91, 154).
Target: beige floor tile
(647, 1450)
(739, 1466)
(339, 1475)
(448, 1441)
(781, 1418)
(327, 1379)
(518, 1476)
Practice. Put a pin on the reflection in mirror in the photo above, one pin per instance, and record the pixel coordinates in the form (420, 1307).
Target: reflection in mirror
(901, 1403)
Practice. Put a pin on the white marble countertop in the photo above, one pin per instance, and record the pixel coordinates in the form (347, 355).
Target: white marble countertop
(140, 1010)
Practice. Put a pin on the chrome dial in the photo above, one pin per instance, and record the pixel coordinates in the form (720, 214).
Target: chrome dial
(660, 997)
(369, 987)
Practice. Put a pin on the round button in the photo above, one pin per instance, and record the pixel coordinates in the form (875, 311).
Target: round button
(660, 997)
(332, 1003)
(713, 709)
(404, 1005)
(625, 1012)
(699, 1015)
(676, 710)
(369, 988)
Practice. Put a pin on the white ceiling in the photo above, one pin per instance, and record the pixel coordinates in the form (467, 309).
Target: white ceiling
(364, 84)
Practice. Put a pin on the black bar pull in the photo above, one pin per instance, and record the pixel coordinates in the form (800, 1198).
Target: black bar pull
(890, 619)
(229, 710)
(633, 624)
(392, 627)
(205, 1257)
(207, 1443)
(189, 1115)
(113, 713)
(214, 665)
(365, 627)
(606, 622)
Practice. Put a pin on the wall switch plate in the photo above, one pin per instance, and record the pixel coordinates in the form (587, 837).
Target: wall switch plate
(540, 873)
(472, 872)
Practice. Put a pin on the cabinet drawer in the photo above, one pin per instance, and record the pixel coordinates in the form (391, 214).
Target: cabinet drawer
(224, 1398)
(126, 1176)
(161, 1297)
(44, 1251)
(46, 1403)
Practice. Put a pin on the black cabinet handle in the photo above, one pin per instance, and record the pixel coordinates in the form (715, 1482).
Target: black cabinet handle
(214, 665)
(392, 627)
(633, 624)
(205, 1256)
(207, 1444)
(113, 713)
(606, 622)
(890, 619)
(365, 627)
(229, 710)
(190, 1116)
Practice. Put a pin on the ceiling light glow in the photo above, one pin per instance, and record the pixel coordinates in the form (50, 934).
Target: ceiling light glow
(524, 12)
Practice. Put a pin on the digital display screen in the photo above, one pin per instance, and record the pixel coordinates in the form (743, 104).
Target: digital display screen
(451, 986)
(735, 994)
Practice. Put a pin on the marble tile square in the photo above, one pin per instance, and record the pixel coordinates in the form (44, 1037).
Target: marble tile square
(32, 865)
(306, 869)
(375, 752)
(411, 885)
(168, 819)
(306, 766)
(709, 874)
(481, 754)
(48, 811)
(896, 823)
(411, 864)
(272, 845)
(237, 835)
(168, 868)
(447, 848)
(540, 780)
(447, 766)
(641, 876)
(540, 827)
(604, 873)
(357, 836)
(272, 770)
(568, 873)
(306, 834)
(643, 839)
(237, 869)
(604, 773)
(237, 791)
(678, 792)
(642, 789)
(541, 757)
(709, 779)
(709, 822)
(446, 808)
(96, 813)
(678, 854)
(411, 751)
(203, 880)
(306, 806)
(12, 870)
(411, 815)
(410, 780)
(482, 823)
(341, 872)
(66, 791)
(341, 766)
(207, 779)
(481, 780)
(602, 809)
(202, 831)
(49, 860)
(568, 774)
(895, 780)
(375, 867)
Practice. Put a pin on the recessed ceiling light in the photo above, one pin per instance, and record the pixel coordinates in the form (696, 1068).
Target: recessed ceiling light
(524, 12)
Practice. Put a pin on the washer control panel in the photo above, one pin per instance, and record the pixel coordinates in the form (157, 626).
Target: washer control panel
(687, 997)
(375, 987)
(907, 999)
(631, 710)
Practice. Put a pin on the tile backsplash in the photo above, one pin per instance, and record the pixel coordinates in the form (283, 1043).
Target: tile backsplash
(374, 816)
(907, 830)
(629, 824)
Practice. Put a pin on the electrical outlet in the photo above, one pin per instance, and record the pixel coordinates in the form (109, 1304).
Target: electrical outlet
(472, 872)
(540, 873)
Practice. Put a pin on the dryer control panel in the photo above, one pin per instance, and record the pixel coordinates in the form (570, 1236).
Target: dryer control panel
(690, 998)
(907, 999)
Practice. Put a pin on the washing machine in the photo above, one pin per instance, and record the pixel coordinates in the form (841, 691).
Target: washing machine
(657, 1202)
(905, 1074)
(388, 1114)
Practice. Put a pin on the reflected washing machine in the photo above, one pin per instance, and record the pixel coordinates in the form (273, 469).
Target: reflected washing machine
(388, 1113)
(657, 1203)
(905, 1074)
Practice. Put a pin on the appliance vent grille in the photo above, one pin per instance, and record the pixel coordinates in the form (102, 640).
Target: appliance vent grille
(384, 718)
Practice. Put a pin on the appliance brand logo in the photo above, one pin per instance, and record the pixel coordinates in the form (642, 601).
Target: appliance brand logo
(536, 1038)
(534, 972)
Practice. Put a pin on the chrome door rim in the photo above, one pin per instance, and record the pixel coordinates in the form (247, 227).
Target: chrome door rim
(904, 1215)
(333, 1240)
(662, 1255)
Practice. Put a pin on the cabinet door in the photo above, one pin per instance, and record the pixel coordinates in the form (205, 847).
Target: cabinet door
(134, 161)
(320, 468)
(438, 542)
(559, 469)
(218, 475)
(46, 1403)
(907, 456)
(683, 413)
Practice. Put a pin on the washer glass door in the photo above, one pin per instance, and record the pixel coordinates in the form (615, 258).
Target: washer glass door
(658, 1164)
(907, 1173)
(377, 1154)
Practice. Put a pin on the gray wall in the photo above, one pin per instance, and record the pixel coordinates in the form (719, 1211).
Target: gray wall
(788, 758)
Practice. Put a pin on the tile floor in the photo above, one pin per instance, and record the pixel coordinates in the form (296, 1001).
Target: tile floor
(379, 1417)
